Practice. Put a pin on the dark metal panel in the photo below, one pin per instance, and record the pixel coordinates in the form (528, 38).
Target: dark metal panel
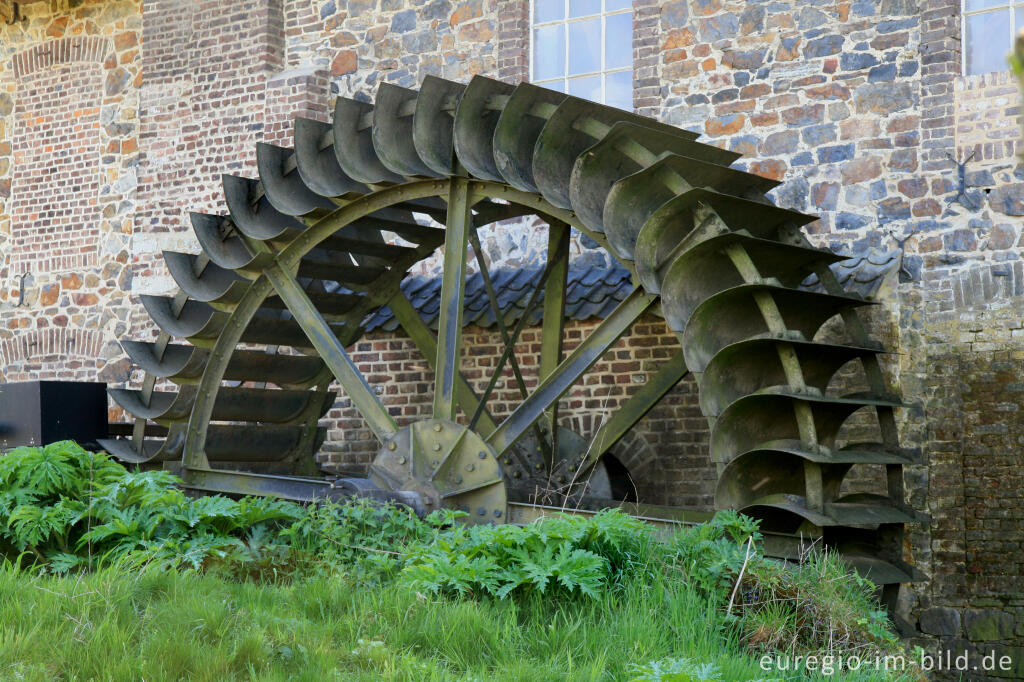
(393, 111)
(42, 412)
(353, 143)
(475, 121)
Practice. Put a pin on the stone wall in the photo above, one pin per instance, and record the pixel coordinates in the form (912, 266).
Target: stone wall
(856, 106)
(69, 83)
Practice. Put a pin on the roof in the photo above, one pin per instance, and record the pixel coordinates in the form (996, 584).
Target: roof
(863, 274)
(592, 292)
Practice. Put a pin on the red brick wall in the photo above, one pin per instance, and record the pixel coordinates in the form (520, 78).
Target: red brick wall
(56, 169)
(666, 452)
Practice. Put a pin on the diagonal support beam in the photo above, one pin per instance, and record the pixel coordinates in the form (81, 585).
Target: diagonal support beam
(332, 352)
(453, 293)
(570, 370)
(634, 409)
(426, 343)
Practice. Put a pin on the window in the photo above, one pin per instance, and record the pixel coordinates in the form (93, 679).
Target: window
(584, 48)
(989, 30)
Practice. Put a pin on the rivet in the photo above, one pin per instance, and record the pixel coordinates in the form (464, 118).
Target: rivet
(481, 511)
(483, 455)
(508, 460)
(437, 447)
(434, 464)
(437, 427)
(401, 460)
(458, 479)
(517, 474)
(392, 446)
(470, 466)
(497, 513)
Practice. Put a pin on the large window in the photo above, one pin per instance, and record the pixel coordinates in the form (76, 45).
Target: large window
(584, 48)
(989, 30)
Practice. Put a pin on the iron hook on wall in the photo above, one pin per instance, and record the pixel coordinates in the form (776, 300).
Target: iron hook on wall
(21, 290)
(16, 15)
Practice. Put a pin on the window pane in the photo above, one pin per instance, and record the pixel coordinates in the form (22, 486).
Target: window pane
(548, 10)
(618, 89)
(585, 46)
(549, 52)
(618, 41)
(612, 5)
(558, 85)
(987, 41)
(581, 8)
(971, 5)
(588, 87)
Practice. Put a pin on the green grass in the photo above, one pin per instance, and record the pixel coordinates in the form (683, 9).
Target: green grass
(110, 574)
(164, 625)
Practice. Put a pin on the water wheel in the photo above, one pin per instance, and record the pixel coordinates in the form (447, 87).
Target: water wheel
(323, 239)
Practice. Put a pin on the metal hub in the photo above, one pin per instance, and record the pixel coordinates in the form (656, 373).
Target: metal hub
(448, 465)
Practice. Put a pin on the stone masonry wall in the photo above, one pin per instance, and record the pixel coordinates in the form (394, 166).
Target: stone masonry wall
(856, 106)
(69, 83)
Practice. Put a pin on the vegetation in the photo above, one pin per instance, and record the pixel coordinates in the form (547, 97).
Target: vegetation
(112, 574)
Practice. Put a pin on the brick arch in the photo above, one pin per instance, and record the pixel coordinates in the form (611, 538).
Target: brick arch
(57, 342)
(61, 51)
(57, 140)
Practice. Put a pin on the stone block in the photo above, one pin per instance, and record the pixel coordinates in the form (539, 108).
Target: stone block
(987, 625)
(940, 620)
(822, 47)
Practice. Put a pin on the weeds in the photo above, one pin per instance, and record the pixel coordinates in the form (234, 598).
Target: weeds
(602, 590)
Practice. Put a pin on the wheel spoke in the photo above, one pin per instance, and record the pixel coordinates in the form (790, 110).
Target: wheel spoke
(506, 339)
(634, 409)
(510, 346)
(426, 343)
(570, 369)
(553, 324)
(333, 353)
(453, 292)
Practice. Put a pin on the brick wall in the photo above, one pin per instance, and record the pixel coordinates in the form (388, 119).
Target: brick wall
(68, 153)
(666, 454)
(858, 107)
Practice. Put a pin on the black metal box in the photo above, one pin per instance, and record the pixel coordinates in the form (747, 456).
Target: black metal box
(41, 412)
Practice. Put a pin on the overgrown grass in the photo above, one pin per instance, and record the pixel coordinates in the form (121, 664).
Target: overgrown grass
(111, 574)
(116, 624)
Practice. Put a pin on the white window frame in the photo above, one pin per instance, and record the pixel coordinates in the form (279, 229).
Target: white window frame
(964, 13)
(565, 21)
